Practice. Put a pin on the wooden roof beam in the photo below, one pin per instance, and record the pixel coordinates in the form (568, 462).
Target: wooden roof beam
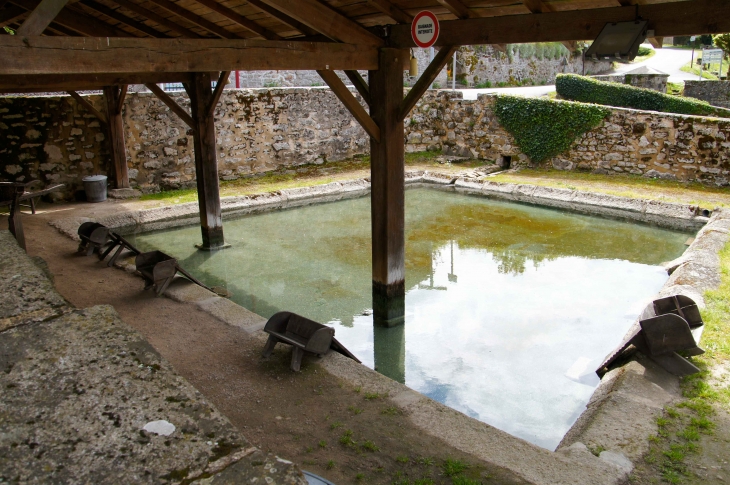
(392, 11)
(206, 24)
(76, 21)
(10, 14)
(260, 31)
(65, 82)
(88, 106)
(73, 55)
(666, 19)
(158, 19)
(282, 17)
(325, 20)
(458, 9)
(426, 79)
(360, 84)
(113, 14)
(656, 42)
(41, 17)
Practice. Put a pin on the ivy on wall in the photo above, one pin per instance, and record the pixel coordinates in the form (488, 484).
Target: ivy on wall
(544, 128)
(587, 90)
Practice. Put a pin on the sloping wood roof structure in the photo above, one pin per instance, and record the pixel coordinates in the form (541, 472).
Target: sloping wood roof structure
(86, 44)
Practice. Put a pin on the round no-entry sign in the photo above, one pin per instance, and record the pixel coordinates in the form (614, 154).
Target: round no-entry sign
(425, 29)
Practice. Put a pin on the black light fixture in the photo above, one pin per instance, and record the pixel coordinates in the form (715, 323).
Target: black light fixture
(619, 41)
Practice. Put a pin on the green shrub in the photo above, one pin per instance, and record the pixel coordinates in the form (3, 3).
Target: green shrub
(586, 90)
(544, 128)
(644, 51)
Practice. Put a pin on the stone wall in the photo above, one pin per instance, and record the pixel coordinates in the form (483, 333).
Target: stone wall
(646, 143)
(55, 140)
(481, 65)
(656, 82)
(717, 93)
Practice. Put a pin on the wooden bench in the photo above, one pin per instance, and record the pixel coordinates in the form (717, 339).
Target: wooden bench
(303, 335)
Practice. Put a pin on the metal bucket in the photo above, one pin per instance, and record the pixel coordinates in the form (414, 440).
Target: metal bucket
(95, 188)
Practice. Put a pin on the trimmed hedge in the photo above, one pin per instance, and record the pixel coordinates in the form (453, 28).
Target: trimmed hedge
(543, 128)
(587, 90)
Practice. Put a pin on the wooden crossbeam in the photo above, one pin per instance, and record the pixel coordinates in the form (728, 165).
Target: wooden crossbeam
(391, 11)
(458, 9)
(121, 98)
(88, 106)
(426, 79)
(535, 6)
(282, 17)
(111, 13)
(170, 103)
(72, 55)
(360, 84)
(666, 19)
(196, 19)
(233, 16)
(158, 19)
(76, 21)
(41, 17)
(322, 18)
(65, 82)
(656, 42)
(350, 102)
(219, 87)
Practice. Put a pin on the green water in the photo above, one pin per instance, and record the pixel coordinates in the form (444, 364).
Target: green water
(509, 307)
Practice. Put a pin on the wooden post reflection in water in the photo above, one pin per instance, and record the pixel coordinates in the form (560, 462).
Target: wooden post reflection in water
(389, 347)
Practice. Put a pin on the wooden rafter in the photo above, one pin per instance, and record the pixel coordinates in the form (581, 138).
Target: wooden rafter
(360, 84)
(114, 14)
(282, 17)
(73, 55)
(158, 19)
(392, 11)
(233, 16)
(536, 6)
(656, 42)
(170, 103)
(666, 19)
(426, 79)
(88, 106)
(11, 13)
(350, 102)
(41, 17)
(458, 9)
(204, 23)
(76, 21)
(323, 19)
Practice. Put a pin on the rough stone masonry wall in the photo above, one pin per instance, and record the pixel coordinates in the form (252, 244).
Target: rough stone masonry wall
(628, 141)
(717, 93)
(56, 141)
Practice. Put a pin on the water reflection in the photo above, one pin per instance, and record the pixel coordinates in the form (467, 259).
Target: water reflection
(508, 307)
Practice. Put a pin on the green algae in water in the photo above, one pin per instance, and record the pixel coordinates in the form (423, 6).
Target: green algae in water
(509, 307)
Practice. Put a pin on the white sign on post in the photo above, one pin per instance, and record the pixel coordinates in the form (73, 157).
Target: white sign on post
(712, 56)
(425, 29)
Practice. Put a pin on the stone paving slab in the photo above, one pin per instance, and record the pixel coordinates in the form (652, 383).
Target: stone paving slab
(78, 392)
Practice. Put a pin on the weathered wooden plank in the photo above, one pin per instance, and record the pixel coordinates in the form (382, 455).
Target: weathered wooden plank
(170, 103)
(206, 163)
(666, 19)
(41, 17)
(392, 11)
(360, 84)
(114, 99)
(352, 105)
(66, 82)
(387, 166)
(322, 18)
(88, 106)
(11, 13)
(428, 77)
(282, 17)
(111, 13)
(159, 19)
(219, 87)
(196, 19)
(69, 55)
(240, 19)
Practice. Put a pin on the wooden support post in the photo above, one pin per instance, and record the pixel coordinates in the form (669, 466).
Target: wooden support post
(15, 218)
(114, 99)
(388, 186)
(206, 164)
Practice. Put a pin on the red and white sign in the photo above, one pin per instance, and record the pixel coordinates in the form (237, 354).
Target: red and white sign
(425, 29)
